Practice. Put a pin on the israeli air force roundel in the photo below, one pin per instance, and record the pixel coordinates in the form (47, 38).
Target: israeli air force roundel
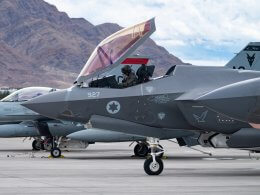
(113, 107)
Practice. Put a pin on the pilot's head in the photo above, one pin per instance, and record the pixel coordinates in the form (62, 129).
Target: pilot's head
(126, 70)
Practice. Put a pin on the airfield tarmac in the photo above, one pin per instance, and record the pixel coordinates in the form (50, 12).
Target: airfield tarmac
(110, 169)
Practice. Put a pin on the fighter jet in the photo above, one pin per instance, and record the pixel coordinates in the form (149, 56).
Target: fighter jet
(184, 138)
(221, 103)
(18, 121)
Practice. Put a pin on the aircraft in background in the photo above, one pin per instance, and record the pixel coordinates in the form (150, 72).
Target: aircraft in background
(18, 121)
(247, 59)
(219, 103)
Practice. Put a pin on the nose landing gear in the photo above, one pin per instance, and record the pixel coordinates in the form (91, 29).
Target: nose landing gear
(143, 149)
(154, 165)
(55, 151)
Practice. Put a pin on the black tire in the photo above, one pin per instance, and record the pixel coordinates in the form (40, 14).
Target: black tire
(141, 150)
(36, 145)
(55, 152)
(153, 169)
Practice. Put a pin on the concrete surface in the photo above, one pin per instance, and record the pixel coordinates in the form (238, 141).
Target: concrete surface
(110, 169)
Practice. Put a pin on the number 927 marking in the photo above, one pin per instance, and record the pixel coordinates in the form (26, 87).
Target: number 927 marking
(93, 94)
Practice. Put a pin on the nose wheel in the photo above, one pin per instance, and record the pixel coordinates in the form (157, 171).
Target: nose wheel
(154, 164)
(55, 152)
(153, 167)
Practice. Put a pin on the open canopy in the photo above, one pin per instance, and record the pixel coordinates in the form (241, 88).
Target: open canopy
(115, 48)
(27, 93)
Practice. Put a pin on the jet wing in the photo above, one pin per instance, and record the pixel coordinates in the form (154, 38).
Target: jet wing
(114, 49)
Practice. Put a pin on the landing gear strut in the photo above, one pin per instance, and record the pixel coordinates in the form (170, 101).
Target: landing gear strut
(143, 149)
(158, 150)
(48, 144)
(55, 151)
(154, 165)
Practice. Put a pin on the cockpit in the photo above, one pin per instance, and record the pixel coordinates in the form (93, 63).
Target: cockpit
(27, 93)
(139, 68)
(103, 68)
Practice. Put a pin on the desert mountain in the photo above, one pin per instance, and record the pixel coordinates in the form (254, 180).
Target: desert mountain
(42, 46)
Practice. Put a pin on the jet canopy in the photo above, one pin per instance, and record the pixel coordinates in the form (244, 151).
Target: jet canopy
(26, 94)
(114, 49)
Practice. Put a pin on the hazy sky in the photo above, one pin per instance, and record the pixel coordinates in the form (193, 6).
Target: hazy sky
(197, 31)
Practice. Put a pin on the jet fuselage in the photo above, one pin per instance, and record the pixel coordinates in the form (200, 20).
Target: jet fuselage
(167, 102)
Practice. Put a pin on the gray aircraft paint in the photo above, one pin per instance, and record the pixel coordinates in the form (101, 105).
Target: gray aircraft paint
(135, 102)
(18, 121)
(14, 112)
(248, 58)
(187, 92)
(245, 138)
(99, 135)
(19, 130)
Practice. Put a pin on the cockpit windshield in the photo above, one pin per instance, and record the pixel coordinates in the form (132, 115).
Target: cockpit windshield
(115, 48)
(26, 94)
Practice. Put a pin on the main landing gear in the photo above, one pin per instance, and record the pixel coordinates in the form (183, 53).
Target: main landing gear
(143, 149)
(37, 144)
(43, 144)
(49, 144)
(153, 165)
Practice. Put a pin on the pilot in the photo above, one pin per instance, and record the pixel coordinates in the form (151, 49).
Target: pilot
(143, 74)
(129, 78)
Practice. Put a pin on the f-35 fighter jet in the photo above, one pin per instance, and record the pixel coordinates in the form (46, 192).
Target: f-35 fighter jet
(18, 121)
(221, 103)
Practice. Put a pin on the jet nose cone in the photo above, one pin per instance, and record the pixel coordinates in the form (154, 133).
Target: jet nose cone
(50, 105)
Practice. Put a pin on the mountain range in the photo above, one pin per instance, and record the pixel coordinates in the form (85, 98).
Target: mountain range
(41, 46)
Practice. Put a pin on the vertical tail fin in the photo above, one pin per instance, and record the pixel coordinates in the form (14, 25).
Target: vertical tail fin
(247, 59)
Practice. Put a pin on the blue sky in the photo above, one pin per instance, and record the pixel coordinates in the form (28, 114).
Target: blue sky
(202, 32)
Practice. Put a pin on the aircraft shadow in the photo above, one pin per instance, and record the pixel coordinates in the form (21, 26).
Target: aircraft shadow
(211, 172)
(17, 150)
(102, 157)
(206, 157)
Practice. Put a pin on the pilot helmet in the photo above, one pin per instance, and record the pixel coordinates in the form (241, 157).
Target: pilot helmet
(126, 70)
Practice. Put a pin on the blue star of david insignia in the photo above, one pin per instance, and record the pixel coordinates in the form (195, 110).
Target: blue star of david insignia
(113, 107)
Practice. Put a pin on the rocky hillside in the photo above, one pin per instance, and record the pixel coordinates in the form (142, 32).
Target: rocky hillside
(41, 46)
